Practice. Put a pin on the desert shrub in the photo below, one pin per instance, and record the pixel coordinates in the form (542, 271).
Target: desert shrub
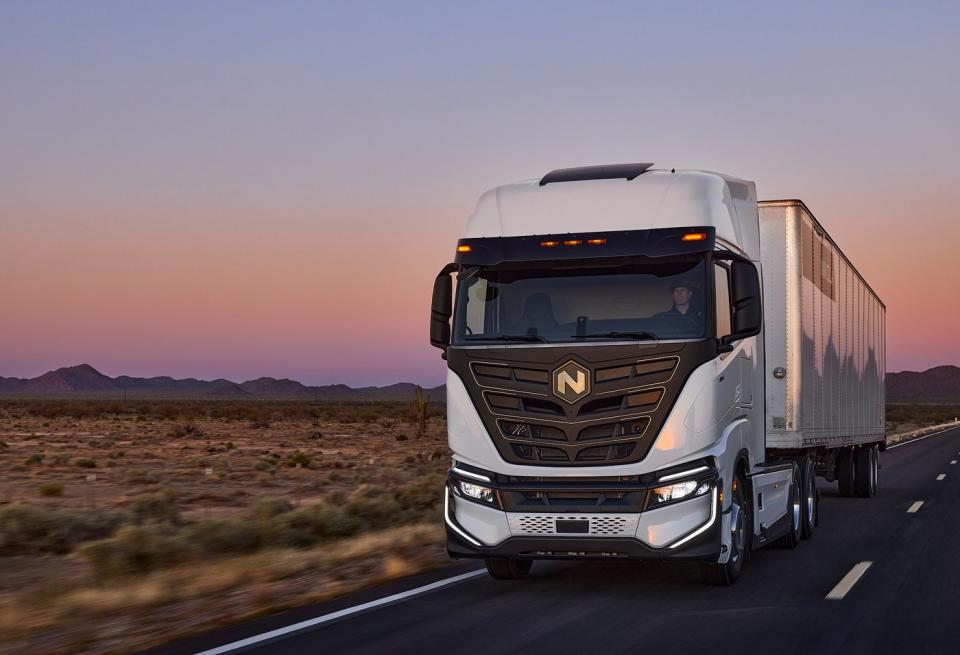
(186, 430)
(309, 525)
(298, 457)
(219, 537)
(35, 458)
(159, 508)
(26, 528)
(51, 489)
(85, 462)
(265, 509)
(375, 509)
(136, 549)
(260, 424)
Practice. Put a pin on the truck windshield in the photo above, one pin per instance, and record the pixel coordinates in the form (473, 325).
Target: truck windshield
(659, 298)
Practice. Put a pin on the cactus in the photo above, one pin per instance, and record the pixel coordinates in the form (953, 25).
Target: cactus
(420, 403)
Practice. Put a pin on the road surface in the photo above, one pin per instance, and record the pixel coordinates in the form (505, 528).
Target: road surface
(880, 575)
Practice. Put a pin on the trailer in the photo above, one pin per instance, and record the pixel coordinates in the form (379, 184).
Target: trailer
(651, 364)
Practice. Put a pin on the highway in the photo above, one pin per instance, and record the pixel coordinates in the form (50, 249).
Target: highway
(880, 575)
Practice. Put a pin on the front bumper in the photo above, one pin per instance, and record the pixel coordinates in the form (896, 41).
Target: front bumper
(688, 529)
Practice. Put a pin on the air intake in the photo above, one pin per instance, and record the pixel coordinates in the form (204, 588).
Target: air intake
(610, 172)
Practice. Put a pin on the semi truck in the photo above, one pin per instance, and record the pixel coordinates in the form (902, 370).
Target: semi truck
(650, 364)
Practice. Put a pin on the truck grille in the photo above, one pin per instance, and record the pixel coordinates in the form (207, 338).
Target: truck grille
(601, 525)
(630, 389)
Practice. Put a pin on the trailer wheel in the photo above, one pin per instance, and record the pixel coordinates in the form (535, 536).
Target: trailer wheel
(795, 512)
(724, 575)
(810, 509)
(508, 569)
(876, 467)
(845, 471)
(865, 476)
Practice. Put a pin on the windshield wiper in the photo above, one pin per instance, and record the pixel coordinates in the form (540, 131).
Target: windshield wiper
(507, 337)
(611, 335)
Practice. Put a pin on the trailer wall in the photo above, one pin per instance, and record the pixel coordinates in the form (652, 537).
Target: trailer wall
(826, 327)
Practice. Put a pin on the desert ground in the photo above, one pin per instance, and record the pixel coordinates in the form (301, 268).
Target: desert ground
(124, 525)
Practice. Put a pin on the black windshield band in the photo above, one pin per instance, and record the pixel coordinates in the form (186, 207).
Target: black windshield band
(661, 242)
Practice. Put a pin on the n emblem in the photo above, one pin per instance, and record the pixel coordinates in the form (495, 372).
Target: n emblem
(571, 382)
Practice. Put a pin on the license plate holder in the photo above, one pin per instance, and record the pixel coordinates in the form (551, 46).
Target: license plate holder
(573, 526)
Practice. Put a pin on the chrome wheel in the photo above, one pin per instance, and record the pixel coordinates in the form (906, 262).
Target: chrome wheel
(796, 505)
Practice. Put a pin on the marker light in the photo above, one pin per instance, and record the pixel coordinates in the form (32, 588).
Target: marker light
(596, 242)
(464, 248)
(549, 244)
(573, 242)
(694, 236)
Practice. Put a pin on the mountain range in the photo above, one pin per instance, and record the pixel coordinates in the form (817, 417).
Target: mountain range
(86, 380)
(938, 384)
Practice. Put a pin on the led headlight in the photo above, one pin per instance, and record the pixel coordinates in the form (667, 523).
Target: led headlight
(687, 489)
(476, 492)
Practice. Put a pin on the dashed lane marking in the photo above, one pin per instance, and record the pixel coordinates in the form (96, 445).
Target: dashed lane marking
(850, 579)
(941, 476)
(915, 507)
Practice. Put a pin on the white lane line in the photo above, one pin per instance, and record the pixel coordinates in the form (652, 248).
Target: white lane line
(904, 443)
(325, 618)
(953, 461)
(915, 507)
(848, 581)
(941, 476)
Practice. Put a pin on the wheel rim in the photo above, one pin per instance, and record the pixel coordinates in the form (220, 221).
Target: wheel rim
(796, 506)
(739, 536)
(811, 498)
(874, 469)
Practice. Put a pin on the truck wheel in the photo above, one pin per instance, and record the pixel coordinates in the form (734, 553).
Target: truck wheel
(795, 512)
(876, 467)
(811, 499)
(724, 575)
(864, 479)
(845, 472)
(508, 569)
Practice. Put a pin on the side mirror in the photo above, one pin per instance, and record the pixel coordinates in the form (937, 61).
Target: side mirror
(442, 308)
(745, 302)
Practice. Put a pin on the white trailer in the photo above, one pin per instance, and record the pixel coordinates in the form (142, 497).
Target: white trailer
(622, 384)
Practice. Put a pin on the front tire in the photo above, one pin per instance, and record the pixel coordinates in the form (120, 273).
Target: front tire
(724, 575)
(508, 569)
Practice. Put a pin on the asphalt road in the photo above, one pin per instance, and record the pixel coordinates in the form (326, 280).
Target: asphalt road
(905, 601)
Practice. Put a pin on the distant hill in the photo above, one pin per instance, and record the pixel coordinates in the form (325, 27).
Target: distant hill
(938, 384)
(84, 380)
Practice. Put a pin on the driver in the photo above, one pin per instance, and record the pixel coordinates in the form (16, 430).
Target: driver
(684, 302)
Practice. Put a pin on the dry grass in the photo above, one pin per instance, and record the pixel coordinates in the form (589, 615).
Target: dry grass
(331, 571)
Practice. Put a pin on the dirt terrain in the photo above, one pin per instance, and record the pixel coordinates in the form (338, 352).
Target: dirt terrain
(121, 527)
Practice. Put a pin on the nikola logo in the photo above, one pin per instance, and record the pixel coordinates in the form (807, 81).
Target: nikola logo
(571, 382)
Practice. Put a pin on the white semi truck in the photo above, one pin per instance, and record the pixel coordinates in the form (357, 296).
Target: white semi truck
(651, 364)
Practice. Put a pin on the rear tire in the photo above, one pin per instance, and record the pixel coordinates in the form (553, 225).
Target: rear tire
(845, 471)
(508, 569)
(810, 507)
(724, 575)
(795, 512)
(865, 476)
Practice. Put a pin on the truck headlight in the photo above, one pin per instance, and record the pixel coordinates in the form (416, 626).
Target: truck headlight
(475, 492)
(677, 491)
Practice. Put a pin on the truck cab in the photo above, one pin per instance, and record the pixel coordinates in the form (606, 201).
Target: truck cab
(603, 329)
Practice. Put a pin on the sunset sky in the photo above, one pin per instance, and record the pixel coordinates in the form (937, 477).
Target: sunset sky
(245, 189)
